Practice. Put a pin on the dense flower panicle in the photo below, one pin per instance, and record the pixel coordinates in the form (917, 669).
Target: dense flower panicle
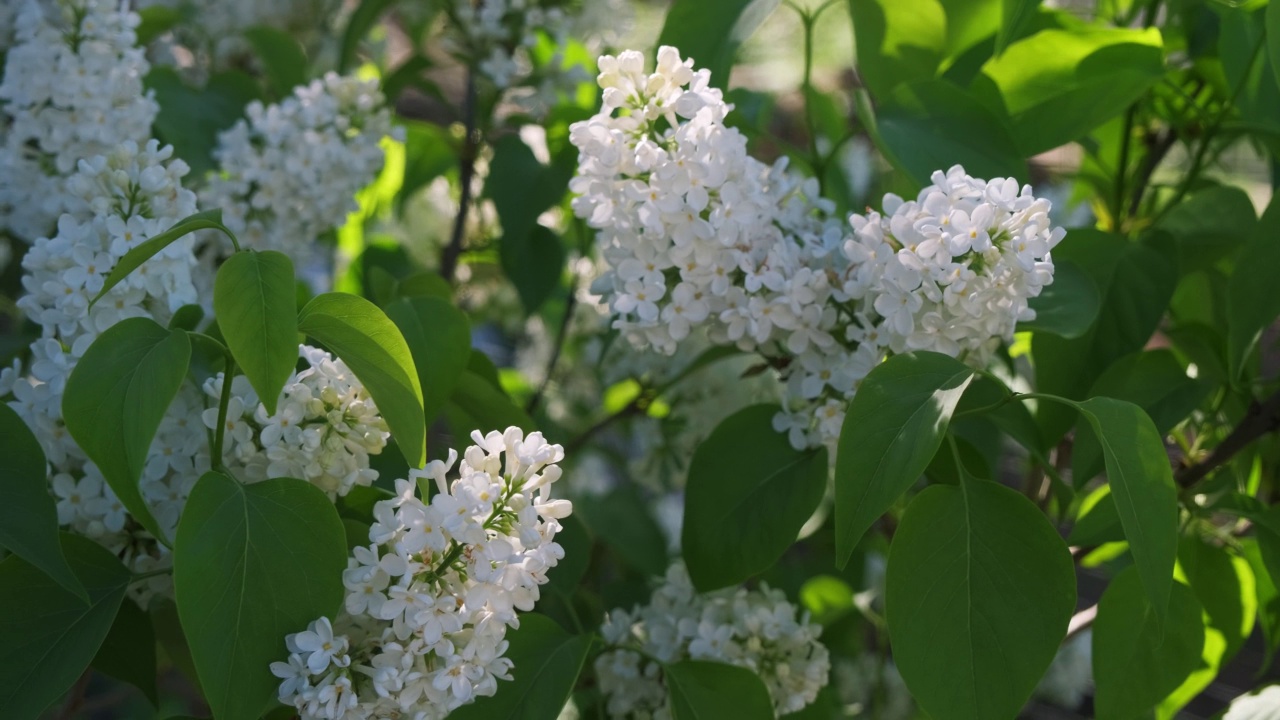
(755, 629)
(698, 234)
(290, 171)
(72, 90)
(323, 431)
(430, 599)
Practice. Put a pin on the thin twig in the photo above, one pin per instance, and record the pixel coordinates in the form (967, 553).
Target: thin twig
(1080, 622)
(466, 174)
(635, 407)
(571, 302)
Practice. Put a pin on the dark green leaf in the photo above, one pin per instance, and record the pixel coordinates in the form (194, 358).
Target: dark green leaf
(1098, 521)
(546, 662)
(1015, 15)
(1273, 40)
(429, 153)
(979, 591)
(749, 492)
(478, 404)
(252, 564)
(116, 397)
(1252, 303)
(701, 690)
(1267, 596)
(932, 125)
(900, 41)
(576, 541)
(132, 260)
(28, 515)
(1135, 282)
(253, 296)
(190, 119)
(1153, 380)
(1057, 85)
(129, 651)
(621, 518)
(155, 21)
(534, 264)
(187, 318)
(439, 336)
(1224, 586)
(893, 427)
(1069, 306)
(372, 346)
(47, 635)
(427, 284)
(362, 21)
(1143, 489)
(1137, 659)
(281, 56)
(1208, 225)
(710, 31)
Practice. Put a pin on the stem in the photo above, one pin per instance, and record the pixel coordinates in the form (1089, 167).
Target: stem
(1122, 169)
(1197, 162)
(1260, 419)
(139, 577)
(223, 402)
(1080, 622)
(571, 302)
(634, 407)
(466, 174)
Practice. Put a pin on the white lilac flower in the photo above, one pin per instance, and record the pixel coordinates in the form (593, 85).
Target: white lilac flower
(72, 89)
(430, 600)
(290, 171)
(324, 430)
(754, 629)
(698, 234)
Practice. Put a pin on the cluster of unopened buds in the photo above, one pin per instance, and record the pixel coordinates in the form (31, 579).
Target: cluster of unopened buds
(696, 233)
(754, 629)
(430, 599)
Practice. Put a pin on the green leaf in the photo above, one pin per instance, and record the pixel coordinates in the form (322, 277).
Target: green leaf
(362, 21)
(710, 31)
(1272, 20)
(622, 519)
(1067, 307)
(116, 397)
(1252, 303)
(1136, 283)
(132, 260)
(900, 41)
(749, 492)
(893, 427)
(1014, 16)
(430, 151)
(1098, 521)
(1057, 85)
(254, 298)
(253, 563)
(1224, 586)
(522, 188)
(439, 336)
(426, 284)
(281, 56)
(47, 635)
(1137, 659)
(155, 20)
(372, 346)
(932, 124)
(1209, 225)
(827, 598)
(701, 690)
(187, 318)
(190, 119)
(129, 651)
(546, 662)
(28, 515)
(979, 590)
(569, 571)
(480, 404)
(1153, 380)
(1143, 489)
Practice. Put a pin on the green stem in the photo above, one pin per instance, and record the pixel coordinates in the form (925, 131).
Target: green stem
(139, 577)
(1122, 170)
(223, 403)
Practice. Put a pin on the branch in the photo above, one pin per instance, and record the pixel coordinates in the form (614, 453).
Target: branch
(1260, 419)
(637, 406)
(466, 174)
(1080, 622)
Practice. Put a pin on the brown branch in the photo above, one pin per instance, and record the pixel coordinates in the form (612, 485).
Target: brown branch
(466, 174)
(1260, 419)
